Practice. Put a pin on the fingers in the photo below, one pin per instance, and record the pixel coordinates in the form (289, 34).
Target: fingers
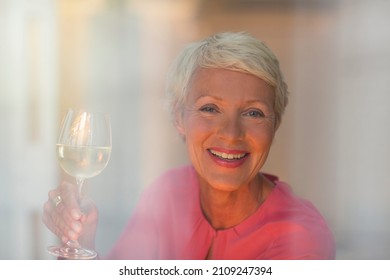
(70, 199)
(63, 218)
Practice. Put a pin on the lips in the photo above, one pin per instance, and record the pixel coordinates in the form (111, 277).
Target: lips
(228, 158)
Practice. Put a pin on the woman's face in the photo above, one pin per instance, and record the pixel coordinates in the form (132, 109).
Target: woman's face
(228, 125)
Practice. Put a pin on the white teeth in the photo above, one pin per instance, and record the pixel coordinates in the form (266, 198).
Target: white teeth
(227, 156)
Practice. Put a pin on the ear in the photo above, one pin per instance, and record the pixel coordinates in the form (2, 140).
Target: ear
(277, 124)
(179, 123)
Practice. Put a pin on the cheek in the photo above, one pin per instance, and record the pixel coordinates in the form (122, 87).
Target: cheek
(196, 127)
(197, 134)
(262, 138)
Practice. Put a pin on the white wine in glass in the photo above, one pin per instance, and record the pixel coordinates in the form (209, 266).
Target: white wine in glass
(83, 151)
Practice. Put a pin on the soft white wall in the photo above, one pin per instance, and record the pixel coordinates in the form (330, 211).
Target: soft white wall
(28, 92)
(362, 193)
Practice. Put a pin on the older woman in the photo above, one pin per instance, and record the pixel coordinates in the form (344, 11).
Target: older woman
(227, 97)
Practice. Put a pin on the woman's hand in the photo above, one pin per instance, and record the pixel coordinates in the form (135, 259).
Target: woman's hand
(70, 218)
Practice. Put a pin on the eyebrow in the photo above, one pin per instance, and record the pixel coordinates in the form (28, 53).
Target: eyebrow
(208, 96)
(252, 101)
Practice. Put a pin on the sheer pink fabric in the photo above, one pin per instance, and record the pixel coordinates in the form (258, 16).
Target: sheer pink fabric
(168, 223)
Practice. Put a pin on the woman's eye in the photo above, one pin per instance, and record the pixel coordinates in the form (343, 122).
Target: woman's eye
(208, 109)
(255, 114)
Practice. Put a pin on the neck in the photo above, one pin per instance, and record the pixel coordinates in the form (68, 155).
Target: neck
(225, 209)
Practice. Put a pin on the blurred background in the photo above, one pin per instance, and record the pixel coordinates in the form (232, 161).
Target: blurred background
(112, 55)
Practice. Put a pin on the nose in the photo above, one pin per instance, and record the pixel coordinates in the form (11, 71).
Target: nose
(231, 128)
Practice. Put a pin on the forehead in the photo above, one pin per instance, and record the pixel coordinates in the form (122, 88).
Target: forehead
(229, 84)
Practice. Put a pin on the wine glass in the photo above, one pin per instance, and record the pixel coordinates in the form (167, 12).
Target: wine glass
(83, 151)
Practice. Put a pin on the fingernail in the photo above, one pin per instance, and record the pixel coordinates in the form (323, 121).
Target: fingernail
(72, 235)
(76, 214)
(64, 239)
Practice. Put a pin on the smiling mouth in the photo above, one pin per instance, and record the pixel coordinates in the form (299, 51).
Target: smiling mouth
(228, 156)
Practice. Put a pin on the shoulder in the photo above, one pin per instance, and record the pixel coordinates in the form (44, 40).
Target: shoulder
(283, 203)
(299, 230)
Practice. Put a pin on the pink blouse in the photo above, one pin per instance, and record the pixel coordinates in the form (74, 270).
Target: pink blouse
(168, 223)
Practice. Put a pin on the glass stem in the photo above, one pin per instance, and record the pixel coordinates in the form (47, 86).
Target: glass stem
(79, 181)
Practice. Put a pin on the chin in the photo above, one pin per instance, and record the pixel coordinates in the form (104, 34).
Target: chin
(225, 185)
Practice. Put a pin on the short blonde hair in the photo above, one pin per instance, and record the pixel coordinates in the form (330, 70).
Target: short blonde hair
(234, 51)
